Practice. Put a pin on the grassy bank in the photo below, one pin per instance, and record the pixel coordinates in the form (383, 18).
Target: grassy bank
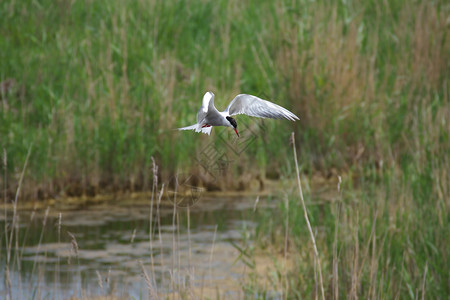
(383, 239)
(97, 87)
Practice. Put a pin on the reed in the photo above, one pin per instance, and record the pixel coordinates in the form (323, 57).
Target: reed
(308, 223)
(99, 88)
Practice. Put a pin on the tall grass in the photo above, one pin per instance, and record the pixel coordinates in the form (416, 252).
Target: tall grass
(97, 88)
(376, 241)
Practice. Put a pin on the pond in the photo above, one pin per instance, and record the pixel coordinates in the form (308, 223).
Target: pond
(106, 249)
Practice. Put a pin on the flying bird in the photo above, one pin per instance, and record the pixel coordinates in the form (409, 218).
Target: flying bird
(208, 115)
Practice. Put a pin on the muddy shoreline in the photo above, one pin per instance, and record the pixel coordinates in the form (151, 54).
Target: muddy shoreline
(185, 195)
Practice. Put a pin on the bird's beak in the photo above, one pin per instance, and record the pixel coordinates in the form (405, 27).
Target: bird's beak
(235, 130)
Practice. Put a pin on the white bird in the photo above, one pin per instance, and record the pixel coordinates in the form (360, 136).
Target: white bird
(208, 115)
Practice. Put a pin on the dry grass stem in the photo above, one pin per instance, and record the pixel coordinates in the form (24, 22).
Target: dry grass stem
(151, 289)
(316, 252)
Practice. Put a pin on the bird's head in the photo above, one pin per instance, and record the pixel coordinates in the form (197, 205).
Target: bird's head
(233, 124)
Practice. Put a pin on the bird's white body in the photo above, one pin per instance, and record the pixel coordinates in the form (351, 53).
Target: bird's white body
(208, 115)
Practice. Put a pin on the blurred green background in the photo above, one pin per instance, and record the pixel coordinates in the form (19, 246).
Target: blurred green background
(94, 89)
(97, 87)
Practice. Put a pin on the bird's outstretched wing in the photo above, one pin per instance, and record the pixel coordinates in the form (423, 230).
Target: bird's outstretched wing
(257, 107)
(207, 109)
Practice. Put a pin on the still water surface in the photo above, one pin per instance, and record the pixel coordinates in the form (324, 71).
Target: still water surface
(103, 249)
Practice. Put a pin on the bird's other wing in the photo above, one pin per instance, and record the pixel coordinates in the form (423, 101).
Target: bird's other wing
(208, 110)
(257, 107)
(201, 114)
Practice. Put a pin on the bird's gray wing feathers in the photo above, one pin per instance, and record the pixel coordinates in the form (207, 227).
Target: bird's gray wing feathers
(257, 107)
(208, 110)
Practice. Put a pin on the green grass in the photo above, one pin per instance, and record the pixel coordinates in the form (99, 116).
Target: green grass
(376, 241)
(100, 86)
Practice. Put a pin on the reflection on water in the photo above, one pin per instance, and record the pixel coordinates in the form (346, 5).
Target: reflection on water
(109, 243)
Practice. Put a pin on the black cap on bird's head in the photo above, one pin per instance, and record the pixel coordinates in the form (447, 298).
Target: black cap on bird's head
(233, 123)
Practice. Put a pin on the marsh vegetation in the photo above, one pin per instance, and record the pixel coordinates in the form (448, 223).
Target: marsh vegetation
(91, 90)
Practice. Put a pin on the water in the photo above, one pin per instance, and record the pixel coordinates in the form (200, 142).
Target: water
(104, 250)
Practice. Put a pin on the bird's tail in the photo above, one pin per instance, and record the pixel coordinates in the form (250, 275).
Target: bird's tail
(192, 127)
(198, 128)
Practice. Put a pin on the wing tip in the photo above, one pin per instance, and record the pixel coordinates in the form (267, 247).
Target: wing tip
(290, 116)
(294, 118)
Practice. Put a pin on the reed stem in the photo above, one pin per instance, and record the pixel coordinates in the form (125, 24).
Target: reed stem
(302, 200)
